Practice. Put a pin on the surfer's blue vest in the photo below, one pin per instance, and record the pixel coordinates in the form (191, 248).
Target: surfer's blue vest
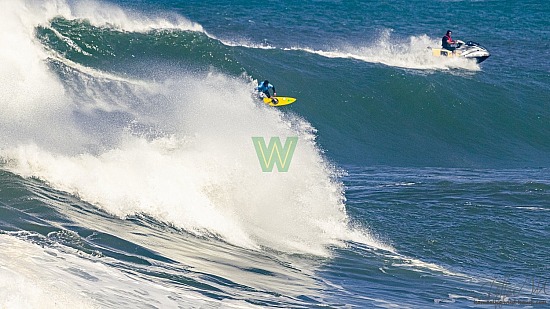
(263, 88)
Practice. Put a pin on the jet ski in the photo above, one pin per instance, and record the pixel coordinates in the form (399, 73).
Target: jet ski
(468, 50)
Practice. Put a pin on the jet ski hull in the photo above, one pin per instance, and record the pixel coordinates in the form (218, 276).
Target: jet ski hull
(469, 50)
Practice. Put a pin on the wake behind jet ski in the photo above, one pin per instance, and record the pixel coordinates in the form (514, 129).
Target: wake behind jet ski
(468, 50)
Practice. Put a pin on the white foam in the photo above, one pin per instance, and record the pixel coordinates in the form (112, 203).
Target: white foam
(247, 43)
(31, 95)
(207, 178)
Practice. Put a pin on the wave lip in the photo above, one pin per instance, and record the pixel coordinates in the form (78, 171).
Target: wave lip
(102, 14)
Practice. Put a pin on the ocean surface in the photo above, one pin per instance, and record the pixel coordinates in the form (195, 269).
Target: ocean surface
(129, 179)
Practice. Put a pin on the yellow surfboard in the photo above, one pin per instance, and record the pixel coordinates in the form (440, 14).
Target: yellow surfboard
(280, 101)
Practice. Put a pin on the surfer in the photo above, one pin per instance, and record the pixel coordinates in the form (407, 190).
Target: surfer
(264, 87)
(447, 42)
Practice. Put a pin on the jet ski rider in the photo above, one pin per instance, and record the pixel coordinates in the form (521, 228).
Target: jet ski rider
(447, 42)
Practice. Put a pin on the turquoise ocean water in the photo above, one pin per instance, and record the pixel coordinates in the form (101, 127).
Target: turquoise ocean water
(128, 177)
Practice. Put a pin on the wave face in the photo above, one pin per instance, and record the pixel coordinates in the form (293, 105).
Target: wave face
(179, 145)
(127, 166)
